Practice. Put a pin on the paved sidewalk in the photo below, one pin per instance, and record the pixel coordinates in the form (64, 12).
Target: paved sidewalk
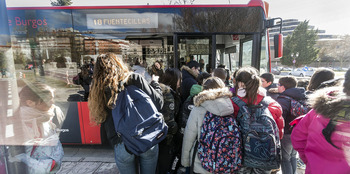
(88, 160)
(95, 159)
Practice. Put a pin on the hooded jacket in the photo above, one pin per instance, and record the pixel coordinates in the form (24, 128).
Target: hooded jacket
(188, 80)
(319, 155)
(216, 101)
(297, 94)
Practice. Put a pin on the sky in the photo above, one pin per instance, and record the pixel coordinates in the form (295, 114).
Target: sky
(332, 16)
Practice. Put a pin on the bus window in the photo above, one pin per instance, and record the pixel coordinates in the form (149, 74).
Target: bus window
(264, 61)
(246, 51)
(226, 51)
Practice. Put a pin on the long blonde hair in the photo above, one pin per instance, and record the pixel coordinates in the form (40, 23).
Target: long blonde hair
(109, 71)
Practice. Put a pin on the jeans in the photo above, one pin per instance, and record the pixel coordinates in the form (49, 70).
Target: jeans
(249, 170)
(289, 161)
(128, 164)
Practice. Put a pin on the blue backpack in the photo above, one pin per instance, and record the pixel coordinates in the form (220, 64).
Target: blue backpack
(219, 146)
(137, 120)
(261, 143)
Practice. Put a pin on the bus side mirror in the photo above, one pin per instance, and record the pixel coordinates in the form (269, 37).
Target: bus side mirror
(278, 45)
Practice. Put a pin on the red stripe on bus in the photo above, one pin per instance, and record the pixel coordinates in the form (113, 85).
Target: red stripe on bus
(128, 6)
(91, 134)
(80, 110)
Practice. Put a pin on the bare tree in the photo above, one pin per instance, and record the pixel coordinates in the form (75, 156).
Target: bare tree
(61, 3)
(340, 50)
(179, 2)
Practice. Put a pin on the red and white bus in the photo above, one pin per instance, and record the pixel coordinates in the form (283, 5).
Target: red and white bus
(60, 39)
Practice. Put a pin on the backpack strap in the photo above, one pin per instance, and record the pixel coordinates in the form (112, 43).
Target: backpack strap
(122, 84)
(239, 104)
(284, 96)
(327, 132)
(238, 101)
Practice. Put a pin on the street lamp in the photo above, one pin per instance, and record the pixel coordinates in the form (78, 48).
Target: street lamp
(294, 56)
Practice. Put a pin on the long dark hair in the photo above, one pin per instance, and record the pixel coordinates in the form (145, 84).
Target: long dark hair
(250, 77)
(170, 78)
(321, 75)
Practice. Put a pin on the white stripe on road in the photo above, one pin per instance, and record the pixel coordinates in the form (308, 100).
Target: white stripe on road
(10, 96)
(9, 131)
(9, 102)
(9, 112)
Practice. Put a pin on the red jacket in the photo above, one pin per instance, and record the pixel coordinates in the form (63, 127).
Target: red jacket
(274, 108)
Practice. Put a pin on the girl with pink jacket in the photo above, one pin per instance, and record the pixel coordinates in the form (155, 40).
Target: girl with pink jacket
(322, 137)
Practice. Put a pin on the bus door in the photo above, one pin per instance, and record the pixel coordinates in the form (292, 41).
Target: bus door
(194, 47)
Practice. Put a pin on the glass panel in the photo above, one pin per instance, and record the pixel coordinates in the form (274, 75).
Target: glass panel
(196, 48)
(236, 19)
(264, 56)
(226, 52)
(247, 53)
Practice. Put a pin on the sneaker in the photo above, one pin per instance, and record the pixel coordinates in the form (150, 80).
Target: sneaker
(300, 164)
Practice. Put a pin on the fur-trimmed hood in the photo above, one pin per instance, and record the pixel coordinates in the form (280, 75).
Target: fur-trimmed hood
(216, 101)
(165, 88)
(331, 103)
(189, 70)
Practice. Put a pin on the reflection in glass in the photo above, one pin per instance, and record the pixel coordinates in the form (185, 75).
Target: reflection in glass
(40, 120)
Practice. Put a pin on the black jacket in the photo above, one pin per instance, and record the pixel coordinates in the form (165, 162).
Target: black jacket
(153, 90)
(188, 79)
(295, 93)
(271, 94)
(170, 112)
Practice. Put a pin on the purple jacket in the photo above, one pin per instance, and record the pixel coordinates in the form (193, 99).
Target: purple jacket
(319, 155)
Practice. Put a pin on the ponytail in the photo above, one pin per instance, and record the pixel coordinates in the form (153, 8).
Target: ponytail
(250, 77)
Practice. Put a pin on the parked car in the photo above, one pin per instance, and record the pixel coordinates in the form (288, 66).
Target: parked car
(275, 71)
(340, 69)
(302, 72)
(285, 69)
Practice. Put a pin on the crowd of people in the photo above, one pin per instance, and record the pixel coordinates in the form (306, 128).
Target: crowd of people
(257, 126)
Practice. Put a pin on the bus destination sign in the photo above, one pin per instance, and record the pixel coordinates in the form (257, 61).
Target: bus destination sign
(122, 20)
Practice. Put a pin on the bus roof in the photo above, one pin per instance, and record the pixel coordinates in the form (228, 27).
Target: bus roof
(251, 3)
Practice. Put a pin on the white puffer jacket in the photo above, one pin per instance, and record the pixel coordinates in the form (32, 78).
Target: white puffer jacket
(216, 101)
